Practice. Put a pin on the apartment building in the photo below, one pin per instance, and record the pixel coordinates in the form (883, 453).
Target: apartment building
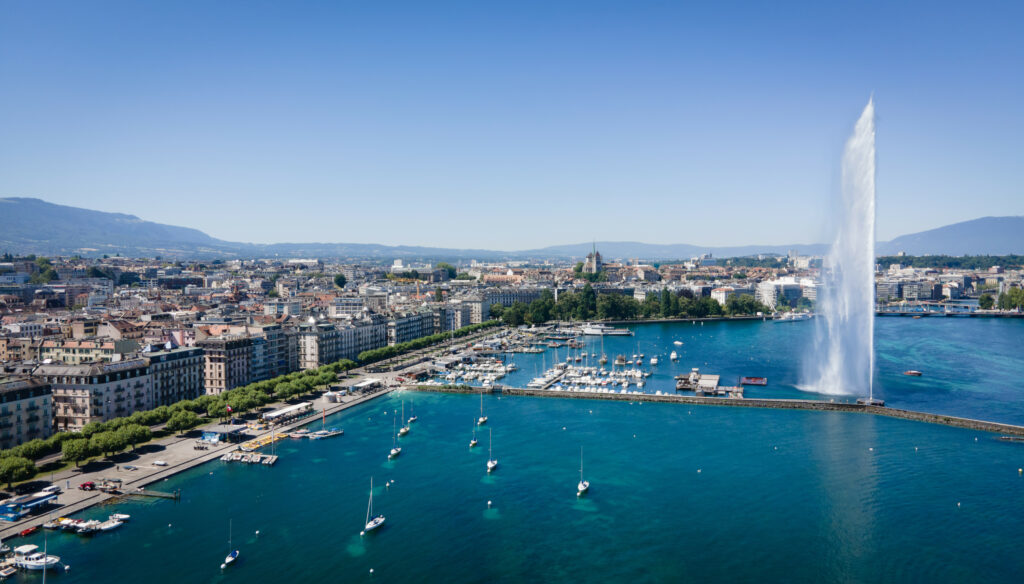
(177, 373)
(97, 391)
(25, 411)
(227, 362)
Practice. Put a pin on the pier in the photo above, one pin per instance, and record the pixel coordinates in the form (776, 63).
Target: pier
(785, 404)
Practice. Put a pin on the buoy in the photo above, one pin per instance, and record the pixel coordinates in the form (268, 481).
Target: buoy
(958, 503)
(563, 427)
(776, 447)
(488, 504)
(371, 570)
(1020, 471)
(915, 449)
(67, 568)
(257, 532)
(168, 525)
(222, 566)
(975, 438)
(361, 533)
(870, 449)
(698, 471)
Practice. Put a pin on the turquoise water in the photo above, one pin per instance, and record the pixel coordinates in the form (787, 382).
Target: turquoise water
(679, 493)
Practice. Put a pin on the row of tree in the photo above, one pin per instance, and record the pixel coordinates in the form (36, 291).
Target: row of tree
(588, 305)
(1009, 300)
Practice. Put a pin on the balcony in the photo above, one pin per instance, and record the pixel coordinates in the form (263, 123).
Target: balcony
(6, 425)
(33, 418)
(121, 409)
(120, 398)
(120, 389)
(32, 408)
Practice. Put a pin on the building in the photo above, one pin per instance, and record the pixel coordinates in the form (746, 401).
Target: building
(593, 263)
(75, 352)
(282, 307)
(24, 329)
(227, 362)
(97, 392)
(359, 336)
(25, 411)
(318, 345)
(343, 306)
(407, 327)
(177, 373)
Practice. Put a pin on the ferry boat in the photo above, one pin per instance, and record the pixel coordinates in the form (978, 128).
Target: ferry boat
(793, 317)
(601, 330)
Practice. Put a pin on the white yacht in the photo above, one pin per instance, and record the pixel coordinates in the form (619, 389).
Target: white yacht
(482, 419)
(404, 429)
(674, 356)
(412, 415)
(29, 557)
(492, 463)
(372, 521)
(395, 448)
(654, 360)
(602, 330)
(583, 485)
(232, 553)
(678, 343)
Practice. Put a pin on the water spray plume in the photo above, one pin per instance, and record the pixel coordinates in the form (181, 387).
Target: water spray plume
(844, 360)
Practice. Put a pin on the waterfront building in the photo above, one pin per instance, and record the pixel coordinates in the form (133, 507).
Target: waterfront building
(407, 327)
(177, 373)
(318, 344)
(362, 335)
(25, 411)
(97, 391)
(227, 362)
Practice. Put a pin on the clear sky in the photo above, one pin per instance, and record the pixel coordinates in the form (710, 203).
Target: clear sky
(510, 125)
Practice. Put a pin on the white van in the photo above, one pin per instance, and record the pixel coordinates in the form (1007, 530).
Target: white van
(55, 489)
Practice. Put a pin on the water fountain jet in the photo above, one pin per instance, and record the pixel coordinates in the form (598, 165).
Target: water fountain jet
(844, 360)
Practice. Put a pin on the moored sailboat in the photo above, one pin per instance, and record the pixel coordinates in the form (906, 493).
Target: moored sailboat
(372, 521)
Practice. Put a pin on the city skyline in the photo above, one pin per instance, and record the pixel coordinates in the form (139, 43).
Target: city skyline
(451, 126)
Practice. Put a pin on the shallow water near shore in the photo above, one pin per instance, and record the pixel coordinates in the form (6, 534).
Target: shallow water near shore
(678, 492)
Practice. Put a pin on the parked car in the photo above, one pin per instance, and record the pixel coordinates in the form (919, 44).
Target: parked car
(52, 489)
(87, 486)
(159, 463)
(130, 467)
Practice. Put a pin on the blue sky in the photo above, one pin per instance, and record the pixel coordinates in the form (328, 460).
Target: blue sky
(510, 125)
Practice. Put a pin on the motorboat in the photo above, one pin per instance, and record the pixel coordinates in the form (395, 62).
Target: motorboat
(674, 356)
(29, 557)
(913, 373)
(677, 343)
(654, 360)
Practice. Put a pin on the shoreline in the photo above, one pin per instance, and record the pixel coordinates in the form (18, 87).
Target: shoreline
(148, 475)
(763, 403)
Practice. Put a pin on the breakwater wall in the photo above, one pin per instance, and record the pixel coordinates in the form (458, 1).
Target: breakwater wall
(780, 404)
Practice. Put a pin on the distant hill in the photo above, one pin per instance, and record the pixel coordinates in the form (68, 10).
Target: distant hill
(36, 226)
(984, 236)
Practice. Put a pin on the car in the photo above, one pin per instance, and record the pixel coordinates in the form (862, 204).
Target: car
(87, 486)
(130, 467)
(52, 489)
(159, 463)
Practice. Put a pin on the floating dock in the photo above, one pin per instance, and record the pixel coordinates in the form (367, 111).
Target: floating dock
(250, 458)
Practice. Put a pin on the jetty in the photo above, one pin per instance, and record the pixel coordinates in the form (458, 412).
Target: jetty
(1004, 430)
(250, 458)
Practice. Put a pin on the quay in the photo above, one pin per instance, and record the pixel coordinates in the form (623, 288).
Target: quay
(179, 452)
(1008, 430)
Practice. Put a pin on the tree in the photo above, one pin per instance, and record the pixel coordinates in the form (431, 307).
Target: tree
(107, 442)
(452, 272)
(182, 421)
(16, 468)
(340, 280)
(986, 301)
(438, 295)
(75, 450)
(134, 434)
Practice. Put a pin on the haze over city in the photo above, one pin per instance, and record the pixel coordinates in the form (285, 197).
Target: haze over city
(509, 127)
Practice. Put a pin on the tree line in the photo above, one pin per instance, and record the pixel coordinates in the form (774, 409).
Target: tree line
(588, 305)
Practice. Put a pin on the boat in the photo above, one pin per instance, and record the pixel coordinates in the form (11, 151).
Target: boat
(583, 485)
(29, 557)
(4, 548)
(412, 415)
(110, 525)
(372, 521)
(603, 360)
(793, 317)
(232, 554)
(28, 531)
(674, 356)
(395, 448)
(404, 429)
(913, 373)
(8, 572)
(120, 516)
(472, 442)
(753, 381)
(601, 330)
(677, 343)
(482, 419)
(620, 360)
(492, 463)
(326, 433)
(654, 360)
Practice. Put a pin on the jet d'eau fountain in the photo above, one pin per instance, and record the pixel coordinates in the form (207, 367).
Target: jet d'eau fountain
(843, 361)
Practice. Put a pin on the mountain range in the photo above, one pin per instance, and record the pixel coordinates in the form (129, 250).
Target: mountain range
(30, 225)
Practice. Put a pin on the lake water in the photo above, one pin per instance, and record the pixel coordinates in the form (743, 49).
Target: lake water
(679, 493)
